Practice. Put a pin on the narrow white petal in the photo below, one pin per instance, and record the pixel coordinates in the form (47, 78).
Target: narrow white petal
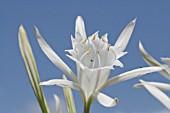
(147, 57)
(124, 37)
(118, 63)
(161, 86)
(166, 71)
(62, 83)
(152, 62)
(166, 61)
(80, 28)
(120, 54)
(158, 94)
(105, 100)
(54, 57)
(132, 74)
(71, 51)
(58, 104)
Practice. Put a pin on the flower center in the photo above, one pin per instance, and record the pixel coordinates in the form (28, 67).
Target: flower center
(95, 52)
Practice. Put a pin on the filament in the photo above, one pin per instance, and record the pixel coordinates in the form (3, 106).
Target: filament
(86, 53)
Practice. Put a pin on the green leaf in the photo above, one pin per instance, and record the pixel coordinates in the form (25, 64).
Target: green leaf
(31, 68)
(69, 98)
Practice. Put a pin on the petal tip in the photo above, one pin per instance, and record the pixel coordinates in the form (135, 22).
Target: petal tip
(134, 20)
(36, 29)
(21, 28)
(140, 44)
(141, 80)
(138, 85)
(135, 85)
(79, 17)
(116, 100)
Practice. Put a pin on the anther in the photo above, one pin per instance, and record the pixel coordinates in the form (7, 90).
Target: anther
(89, 51)
(84, 41)
(108, 48)
(86, 53)
(98, 52)
(94, 36)
(103, 39)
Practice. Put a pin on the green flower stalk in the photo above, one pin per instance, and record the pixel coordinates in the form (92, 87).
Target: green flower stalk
(69, 98)
(31, 68)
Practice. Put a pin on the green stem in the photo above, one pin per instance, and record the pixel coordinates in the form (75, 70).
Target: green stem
(87, 108)
(87, 105)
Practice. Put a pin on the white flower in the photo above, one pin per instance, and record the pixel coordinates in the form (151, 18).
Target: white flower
(155, 89)
(152, 62)
(94, 59)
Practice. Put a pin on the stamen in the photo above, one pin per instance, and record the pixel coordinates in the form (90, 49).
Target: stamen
(84, 41)
(98, 56)
(108, 48)
(94, 61)
(88, 43)
(89, 51)
(98, 52)
(86, 53)
(103, 39)
(94, 36)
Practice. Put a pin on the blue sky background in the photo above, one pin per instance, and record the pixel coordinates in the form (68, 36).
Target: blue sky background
(56, 21)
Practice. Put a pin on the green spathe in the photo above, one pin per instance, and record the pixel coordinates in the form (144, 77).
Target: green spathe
(31, 69)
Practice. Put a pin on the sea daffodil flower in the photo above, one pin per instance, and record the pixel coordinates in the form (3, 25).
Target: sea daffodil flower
(152, 62)
(94, 59)
(155, 89)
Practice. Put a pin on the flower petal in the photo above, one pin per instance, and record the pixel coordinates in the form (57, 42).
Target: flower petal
(105, 100)
(158, 94)
(152, 62)
(80, 28)
(166, 61)
(124, 37)
(54, 57)
(58, 104)
(161, 86)
(132, 74)
(118, 63)
(147, 57)
(62, 83)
